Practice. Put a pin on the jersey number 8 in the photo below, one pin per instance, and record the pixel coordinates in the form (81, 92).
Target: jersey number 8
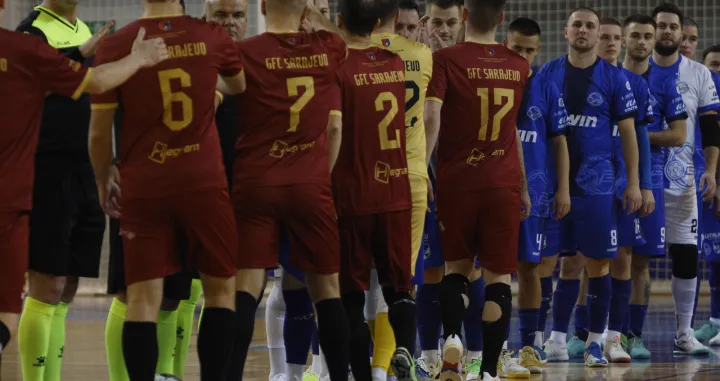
(498, 96)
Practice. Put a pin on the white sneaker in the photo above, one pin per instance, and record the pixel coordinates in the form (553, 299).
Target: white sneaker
(488, 377)
(715, 341)
(687, 344)
(508, 367)
(452, 352)
(614, 351)
(556, 351)
(277, 377)
(425, 371)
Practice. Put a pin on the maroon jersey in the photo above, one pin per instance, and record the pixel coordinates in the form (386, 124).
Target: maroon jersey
(168, 141)
(282, 137)
(371, 175)
(481, 88)
(29, 68)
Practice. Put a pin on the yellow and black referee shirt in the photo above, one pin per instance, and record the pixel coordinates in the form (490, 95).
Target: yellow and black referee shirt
(65, 123)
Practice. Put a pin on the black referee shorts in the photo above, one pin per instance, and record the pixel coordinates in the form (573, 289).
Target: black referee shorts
(67, 224)
(175, 287)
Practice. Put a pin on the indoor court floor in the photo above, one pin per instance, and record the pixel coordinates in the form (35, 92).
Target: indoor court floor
(84, 355)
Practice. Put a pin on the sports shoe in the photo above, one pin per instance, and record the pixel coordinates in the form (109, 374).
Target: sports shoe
(508, 367)
(472, 369)
(687, 344)
(309, 375)
(403, 365)
(452, 353)
(576, 348)
(531, 358)
(715, 341)
(614, 351)
(555, 351)
(488, 377)
(594, 356)
(170, 377)
(423, 371)
(707, 331)
(637, 349)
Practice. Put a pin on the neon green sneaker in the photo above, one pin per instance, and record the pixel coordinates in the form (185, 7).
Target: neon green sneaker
(472, 369)
(310, 376)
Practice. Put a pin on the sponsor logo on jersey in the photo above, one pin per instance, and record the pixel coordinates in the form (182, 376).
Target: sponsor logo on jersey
(582, 120)
(528, 136)
(534, 113)
(595, 99)
(682, 87)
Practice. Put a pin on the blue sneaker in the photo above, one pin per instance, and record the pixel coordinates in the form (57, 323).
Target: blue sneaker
(594, 356)
(707, 331)
(576, 348)
(637, 349)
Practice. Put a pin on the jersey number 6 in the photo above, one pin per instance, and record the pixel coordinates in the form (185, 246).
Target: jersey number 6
(169, 97)
(498, 96)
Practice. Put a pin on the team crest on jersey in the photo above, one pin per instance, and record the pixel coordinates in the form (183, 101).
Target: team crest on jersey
(371, 56)
(627, 85)
(491, 52)
(653, 101)
(386, 42)
(291, 40)
(534, 113)
(682, 87)
(595, 99)
(165, 25)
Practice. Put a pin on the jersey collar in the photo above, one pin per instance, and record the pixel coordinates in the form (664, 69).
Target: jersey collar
(57, 17)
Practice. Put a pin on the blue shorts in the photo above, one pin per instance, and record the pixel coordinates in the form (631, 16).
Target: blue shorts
(591, 227)
(629, 232)
(653, 229)
(431, 248)
(284, 259)
(531, 239)
(709, 235)
(551, 246)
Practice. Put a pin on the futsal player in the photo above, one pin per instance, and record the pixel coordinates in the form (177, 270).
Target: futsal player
(287, 146)
(481, 146)
(188, 196)
(443, 23)
(597, 95)
(28, 69)
(408, 19)
(66, 223)
(542, 122)
(694, 82)
(668, 109)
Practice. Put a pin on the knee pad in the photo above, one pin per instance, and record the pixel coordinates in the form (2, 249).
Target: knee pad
(501, 294)
(451, 286)
(391, 297)
(684, 261)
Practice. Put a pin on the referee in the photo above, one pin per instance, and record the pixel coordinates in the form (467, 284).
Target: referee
(66, 222)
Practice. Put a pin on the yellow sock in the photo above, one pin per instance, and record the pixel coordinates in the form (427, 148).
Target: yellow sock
(34, 338)
(185, 318)
(167, 336)
(53, 364)
(113, 341)
(384, 343)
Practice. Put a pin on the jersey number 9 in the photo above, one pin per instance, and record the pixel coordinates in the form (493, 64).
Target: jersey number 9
(169, 97)
(499, 96)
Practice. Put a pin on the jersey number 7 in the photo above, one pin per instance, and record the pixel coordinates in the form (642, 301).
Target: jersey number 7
(293, 85)
(499, 95)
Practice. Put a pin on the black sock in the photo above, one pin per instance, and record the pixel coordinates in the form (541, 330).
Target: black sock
(354, 304)
(140, 348)
(452, 303)
(245, 307)
(333, 333)
(494, 332)
(402, 316)
(215, 343)
(4, 338)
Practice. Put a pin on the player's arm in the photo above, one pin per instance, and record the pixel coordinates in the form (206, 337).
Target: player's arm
(674, 136)
(710, 141)
(633, 198)
(219, 97)
(431, 117)
(100, 147)
(525, 195)
(334, 129)
(562, 169)
(232, 85)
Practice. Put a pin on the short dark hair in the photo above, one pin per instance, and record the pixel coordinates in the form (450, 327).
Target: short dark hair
(690, 22)
(360, 16)
(711, 49)
(640, 19)
(610, 21)
(388, 9)
(668, 8)
(585, 9)
(525, 26)
(483, 15)
(409, 5)
(444, 4)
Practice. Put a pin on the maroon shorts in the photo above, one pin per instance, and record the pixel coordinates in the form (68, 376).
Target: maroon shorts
(151, 230)
(305, 212)
(383, 239)
(484, 223)
(14, 242)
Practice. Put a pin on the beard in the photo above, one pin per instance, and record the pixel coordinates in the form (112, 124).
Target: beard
(665, 50)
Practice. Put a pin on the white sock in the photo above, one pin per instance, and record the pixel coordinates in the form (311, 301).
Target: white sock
(539, 338)
(295, 371)
(274, 320)
(611, 335)
(277, 362)
(430, 357)
(594, 338)
(505, 344)
(474, 355)
(379, 374)
(559, 337)
(324, 371)
(683, 291)
(715, 321)
(316, 364)
(371, 296)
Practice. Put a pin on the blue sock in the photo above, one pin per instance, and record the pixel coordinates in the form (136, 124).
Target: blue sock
(564, 298)
(637, 319)
(598, 302)
(473, 315)
(619, 303)
(546, 285)
(581, 322)
(528, 325)
(626, 325)
(315, 342)
(298, 326)
(714, 283)
(429, 321)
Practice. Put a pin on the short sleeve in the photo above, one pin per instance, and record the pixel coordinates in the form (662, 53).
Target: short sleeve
(673, 105)
(426, 62)
(336, 97)
(229, 61)
(642, 97)
(556, 117)
(56, 72)
(109, 99)
(708, 98)
(623, 102)
(438, 83)
(339, 48)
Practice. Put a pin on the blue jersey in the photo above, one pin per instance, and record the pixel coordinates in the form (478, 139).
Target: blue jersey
(645, 115)
(542, 116)
(699, 155)
(596, 98)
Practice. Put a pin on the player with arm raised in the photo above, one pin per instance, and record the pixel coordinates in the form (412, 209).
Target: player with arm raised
(695, 85)
(282, 171)
(28, 69)
(480, 172)
(597, 95)
(168, 134)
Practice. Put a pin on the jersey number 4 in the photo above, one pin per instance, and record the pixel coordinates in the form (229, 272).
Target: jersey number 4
(169, 97)
(501, 97)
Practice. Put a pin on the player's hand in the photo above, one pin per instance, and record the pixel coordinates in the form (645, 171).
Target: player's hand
(90, 46)
(709, 185)
(306, 26)
(526, 205)
(632, 199)
(150, 52)
(111, 194)
(561, 205)
(421, 33)
(430, 194)
(436, 43)
(648, 202)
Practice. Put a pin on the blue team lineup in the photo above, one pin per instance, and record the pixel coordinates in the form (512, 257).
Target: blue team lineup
(592, 165)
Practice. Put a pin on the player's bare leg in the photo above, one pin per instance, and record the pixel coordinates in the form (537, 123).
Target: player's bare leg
(598, 305)
(620, 271)
(564, 299)
(140, 347)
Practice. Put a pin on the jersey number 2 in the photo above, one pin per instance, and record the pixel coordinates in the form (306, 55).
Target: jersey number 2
(169, 97)
(385, 141)
(498, 96)
(293, 84)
